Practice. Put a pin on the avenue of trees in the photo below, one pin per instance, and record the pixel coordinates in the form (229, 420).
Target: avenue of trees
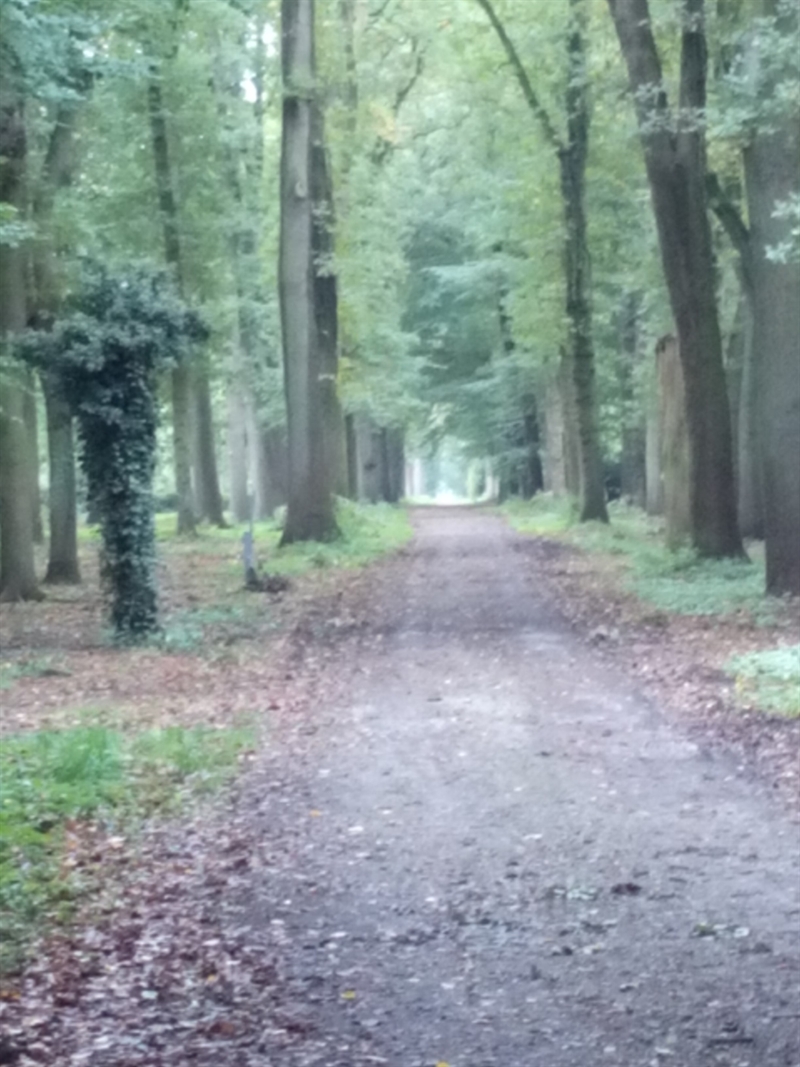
(565, 233)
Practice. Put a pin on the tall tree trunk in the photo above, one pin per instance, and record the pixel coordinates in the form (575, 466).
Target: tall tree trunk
(633, 431)
(749, 467)
(238, 454)
(62, 564)
(325, 296)
(554, 472)
(676, 170)
(17, 569)
(270, 473)
(207, 491)
(674, 442)
(772, 171)
(57, 169)
(569, 420)
(310, 515)
(32, 429)
(181, 374)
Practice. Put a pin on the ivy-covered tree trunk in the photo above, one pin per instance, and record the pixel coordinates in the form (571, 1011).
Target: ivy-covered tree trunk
(676, 169)
(17, 570)
(310, 514)
(181, 374)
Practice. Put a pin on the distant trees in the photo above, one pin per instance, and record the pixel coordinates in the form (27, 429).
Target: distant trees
(571, 152)
(434, 265)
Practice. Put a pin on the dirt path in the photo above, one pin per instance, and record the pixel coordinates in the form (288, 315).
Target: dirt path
(510, 859)
(480, 849)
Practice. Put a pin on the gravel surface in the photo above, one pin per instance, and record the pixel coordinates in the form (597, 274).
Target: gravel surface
(477, 846)
(508, 857)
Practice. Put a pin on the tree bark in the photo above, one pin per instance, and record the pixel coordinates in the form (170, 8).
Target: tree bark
(31, 415)
(326, 301)
(772, 172)
(17, 568)
(57, 170)
(676, 167)
(181, 374)
(633, 475)
(310, 514)
(674, 442)
(748, 436)
(207, 491)
(62, 564)
(237, 454)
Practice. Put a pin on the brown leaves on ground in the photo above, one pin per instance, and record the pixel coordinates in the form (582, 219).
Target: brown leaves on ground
(679, 659)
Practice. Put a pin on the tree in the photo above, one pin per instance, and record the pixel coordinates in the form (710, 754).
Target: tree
(56, 173)
(571, 153)
(304, 312)
(182, 393)
(675, 157)
(772, 171)
(17, 570)
(117, 333)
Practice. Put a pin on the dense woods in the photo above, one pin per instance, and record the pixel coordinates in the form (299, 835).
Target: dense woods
(549, 245)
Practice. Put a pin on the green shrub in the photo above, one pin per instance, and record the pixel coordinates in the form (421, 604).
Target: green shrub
(52, 778)
(769, 679)
(679, 581)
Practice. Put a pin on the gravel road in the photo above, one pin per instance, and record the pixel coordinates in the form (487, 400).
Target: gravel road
(502, 854)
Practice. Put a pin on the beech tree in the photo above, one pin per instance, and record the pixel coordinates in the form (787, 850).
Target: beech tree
(307, 291)
(675, 157)
(17, 570)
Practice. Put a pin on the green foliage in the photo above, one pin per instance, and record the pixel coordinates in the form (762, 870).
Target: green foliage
(117, 332)
(770, 679)
(368, 531)
(52, 780)
(31, 667)
(678, 582)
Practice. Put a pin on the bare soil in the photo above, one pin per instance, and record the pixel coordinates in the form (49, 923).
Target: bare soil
(478, 844)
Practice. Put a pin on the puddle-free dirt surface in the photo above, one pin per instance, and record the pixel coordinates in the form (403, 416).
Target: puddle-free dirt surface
(514, 860)
(484, 850)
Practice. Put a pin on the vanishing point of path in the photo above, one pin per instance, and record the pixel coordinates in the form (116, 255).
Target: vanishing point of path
(508, 858)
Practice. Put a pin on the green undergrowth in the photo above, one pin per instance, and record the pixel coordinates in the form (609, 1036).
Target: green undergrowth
(769, 679)
(678, 582)
(368, 531)
(56, 784)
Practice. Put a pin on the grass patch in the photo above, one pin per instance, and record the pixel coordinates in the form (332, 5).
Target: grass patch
(676, 582)
(53, 780)
(31, 667)
(769, 679)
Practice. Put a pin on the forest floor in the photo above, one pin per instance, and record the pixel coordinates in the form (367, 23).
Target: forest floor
(473, 834)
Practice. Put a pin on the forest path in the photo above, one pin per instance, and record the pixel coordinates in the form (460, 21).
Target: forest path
(501, 855)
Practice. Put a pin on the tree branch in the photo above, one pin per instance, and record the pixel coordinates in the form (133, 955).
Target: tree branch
(732, 222)
(532, 100)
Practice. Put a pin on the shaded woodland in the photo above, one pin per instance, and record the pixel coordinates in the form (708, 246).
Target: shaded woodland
(562, 239)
